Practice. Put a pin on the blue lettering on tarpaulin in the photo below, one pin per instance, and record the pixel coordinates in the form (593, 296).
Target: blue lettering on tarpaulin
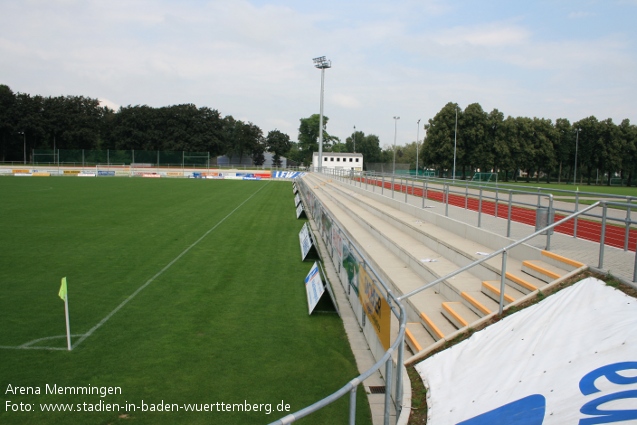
(587, 387)
(526, 411)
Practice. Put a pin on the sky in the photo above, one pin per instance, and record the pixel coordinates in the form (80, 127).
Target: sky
(252, 59)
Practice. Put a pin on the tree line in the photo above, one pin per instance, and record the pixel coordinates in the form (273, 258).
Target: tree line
(76, 122)
(536, 147)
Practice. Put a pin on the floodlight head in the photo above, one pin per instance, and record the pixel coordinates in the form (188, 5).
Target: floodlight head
(322, 63)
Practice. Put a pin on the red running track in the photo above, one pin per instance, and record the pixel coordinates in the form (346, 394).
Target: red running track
(586, 229)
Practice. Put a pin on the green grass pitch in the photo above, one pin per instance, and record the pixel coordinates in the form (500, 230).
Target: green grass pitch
(222, 318)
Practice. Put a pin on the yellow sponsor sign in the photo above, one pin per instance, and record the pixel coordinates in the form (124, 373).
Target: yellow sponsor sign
(42, 174)
(72, 171)
(174, 174)
(21, 171)
(375, 307)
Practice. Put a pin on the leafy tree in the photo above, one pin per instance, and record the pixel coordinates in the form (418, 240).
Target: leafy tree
(479, 152)
(279, 144)
(368, 145)
(438, 147)
(309, 136)
(564, 145)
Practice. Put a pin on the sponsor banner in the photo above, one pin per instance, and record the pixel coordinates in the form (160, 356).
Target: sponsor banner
(287, 174)
(313, 287)
(174, 174)
(22, 174)
(148, 175)
(305, 240)
(569, 359)
(297, 199)
(299, 210)
(375, 307)
(105, 173)
(41, 174)
(86, 174)
(21, 171)
(72, 172)
(5, 171)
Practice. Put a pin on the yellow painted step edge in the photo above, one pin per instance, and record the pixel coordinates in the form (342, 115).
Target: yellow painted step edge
(541, 269)
(477, 304)
(521, 282)
(495, 290)
(432, 326)
(456, 316)
(561, 259)
(412, 339)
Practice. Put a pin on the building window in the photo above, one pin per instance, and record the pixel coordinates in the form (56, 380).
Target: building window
(338, 159)
(356, 159)
(332, 159)
(350, 160)
(324, 159)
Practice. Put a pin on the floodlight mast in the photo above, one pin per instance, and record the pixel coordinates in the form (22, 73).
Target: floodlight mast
(321, 63)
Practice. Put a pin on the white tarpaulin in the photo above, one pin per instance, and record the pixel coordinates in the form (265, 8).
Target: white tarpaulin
(571, 359)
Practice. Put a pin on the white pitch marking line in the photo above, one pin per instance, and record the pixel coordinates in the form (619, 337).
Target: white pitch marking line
(27, 346)
(149, 281)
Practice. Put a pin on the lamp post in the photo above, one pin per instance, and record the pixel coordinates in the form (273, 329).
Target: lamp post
(354, 139)
(576, 146)
(455, 140)
(24, 140)
(417, 135)
(395, 130)
(321, 63)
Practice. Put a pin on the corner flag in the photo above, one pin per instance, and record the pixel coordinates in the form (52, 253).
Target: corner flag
(64, 296)
(62, 293)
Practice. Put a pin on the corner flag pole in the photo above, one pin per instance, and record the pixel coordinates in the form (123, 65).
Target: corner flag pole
(63, 294)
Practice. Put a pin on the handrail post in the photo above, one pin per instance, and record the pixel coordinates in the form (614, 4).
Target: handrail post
(496, 203)
(503, 281)
(576, 210)
(399, 373)
(602, 238)
(466, 194)
(446, 195)
(627, 232)
(388, 367)
(480, 208)
(352, 405)
(424, 191)
(550, 221)
(382, 188)
(509, 214)
(392, 186)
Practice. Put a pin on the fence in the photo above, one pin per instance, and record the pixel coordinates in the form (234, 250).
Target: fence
(84, 157)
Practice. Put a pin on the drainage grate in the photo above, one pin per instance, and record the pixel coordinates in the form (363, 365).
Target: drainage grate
(377, 390)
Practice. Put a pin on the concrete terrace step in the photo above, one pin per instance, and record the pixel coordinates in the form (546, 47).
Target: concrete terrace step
(541, 270)
(417, 337)
(561, 261)
(491, 289)
(458, 314)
